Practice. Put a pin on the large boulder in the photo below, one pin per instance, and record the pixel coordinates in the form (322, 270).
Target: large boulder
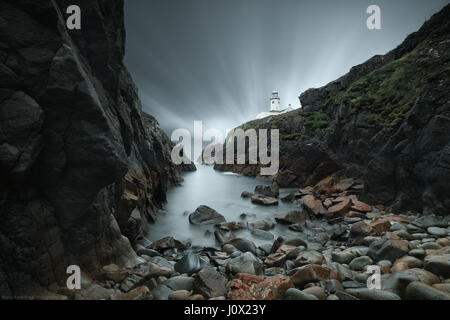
(269, 191)
(205, 215)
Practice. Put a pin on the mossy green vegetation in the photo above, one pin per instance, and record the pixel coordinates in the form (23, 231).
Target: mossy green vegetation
(314, 122)
(388, 93)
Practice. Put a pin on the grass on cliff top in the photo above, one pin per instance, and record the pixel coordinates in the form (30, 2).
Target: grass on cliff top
(313, 121)
(389, 93)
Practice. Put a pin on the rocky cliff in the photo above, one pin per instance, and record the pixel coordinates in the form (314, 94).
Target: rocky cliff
(82, 168)
(387, 122)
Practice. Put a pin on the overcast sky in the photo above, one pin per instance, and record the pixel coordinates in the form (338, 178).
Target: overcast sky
(218, 60)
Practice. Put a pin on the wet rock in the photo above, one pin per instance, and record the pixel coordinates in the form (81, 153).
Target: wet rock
(431, 246)
(261, 234)
(438, 232)
(339, 210)
(427, 221)
(295, 242)
(210, 283)
(246, 194)
(309, 257)
(146, 251)
(205, 215)
(260, 224)
(421, 291)
(398, 281)
(93, 292)
(406, 262)
(275, 260)
(295, 294)
(380, 226)
(131, 282)
(231, 226)
(359, 205)
(179, 295)
(397, 226)
(251, 287)
(442, 286)
(372, 294)
(291, 197)
(418, 253)
(438, 264)
(243, 245)
(316, 291)
(264, 200)
(292, 217)
(266, 248)
(343, 257)
(313, 205)
(269, 191)
(223, 236)
(166, 243)
(331, 286)
(360, 230)
(352, 284)
(161, 292)
(388, 248)
(309, 273)
(228, 248)
(179, 283)
(245, 263)
(359, 263)
(140, 293)
(191, 263)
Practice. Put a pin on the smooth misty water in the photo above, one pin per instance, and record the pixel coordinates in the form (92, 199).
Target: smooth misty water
(222, 192)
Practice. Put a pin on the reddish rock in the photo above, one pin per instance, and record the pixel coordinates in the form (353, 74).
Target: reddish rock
(231, 226)
(381, 226)
(359, 205)
(250, 287)
(313, 205)
(309, 273)
(354, 214)
(360, 230)
(339, 209)
(285, 249)
(406, 262)
(275, 260)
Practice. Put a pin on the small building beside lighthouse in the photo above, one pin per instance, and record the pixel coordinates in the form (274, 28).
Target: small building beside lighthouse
(275, 107)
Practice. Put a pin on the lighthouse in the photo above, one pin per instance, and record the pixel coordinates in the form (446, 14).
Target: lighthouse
(275, 109)
(274, 101)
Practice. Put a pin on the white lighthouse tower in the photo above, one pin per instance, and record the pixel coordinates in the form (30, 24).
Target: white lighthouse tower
(274, 101)
(275, 109)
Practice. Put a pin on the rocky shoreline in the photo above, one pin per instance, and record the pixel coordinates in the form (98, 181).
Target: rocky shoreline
(339, 237)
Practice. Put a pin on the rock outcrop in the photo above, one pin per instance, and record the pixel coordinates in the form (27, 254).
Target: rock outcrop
(386, 122)
(82, 167)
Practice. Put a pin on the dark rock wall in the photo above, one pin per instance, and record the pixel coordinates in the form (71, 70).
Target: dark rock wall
(82, 168)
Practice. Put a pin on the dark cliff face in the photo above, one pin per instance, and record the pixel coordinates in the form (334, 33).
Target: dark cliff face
(82, 168)
(387, 121)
